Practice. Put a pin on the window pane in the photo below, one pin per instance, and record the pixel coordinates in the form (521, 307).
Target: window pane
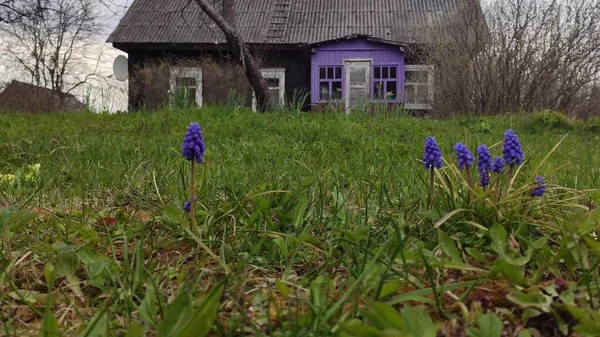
(423, 94)
(322, 73)
(274, 97)
(185, 81)
(358, 75)
(324, 91)
(411, 94)
(379, 89)
(385, 72)
(338, 73)
(394, 73)
(392, 90)
(272, 82)
(377, 73)
(410, 76)
(330, 72)
(336, 88)
(190, 94)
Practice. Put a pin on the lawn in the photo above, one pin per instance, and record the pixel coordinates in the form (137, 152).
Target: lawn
(307, 225)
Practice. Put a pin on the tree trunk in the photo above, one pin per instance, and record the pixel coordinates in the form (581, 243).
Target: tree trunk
(239, 49)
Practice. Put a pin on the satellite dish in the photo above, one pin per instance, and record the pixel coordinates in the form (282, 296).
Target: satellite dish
(121, 68)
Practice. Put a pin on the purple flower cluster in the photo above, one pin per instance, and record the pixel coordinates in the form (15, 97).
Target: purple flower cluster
(433, 154)
(484, 164)
(540, 187)
(498, 165)
(187, 207)
(193, 144)
(464, 156)
(512, 151)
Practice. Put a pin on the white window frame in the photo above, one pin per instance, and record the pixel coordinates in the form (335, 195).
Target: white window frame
(430, 71)
(272, 73)
(194, 72)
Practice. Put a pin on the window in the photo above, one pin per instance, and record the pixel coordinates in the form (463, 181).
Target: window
(275, 78)
(385, 84)
(418, 87)
(186, 85)
(330, 83)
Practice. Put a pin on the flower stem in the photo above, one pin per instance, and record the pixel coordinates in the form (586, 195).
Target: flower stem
(193, 201)
(431, 182)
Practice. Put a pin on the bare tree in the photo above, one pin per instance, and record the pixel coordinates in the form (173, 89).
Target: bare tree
(524, 55)
(49, 43)
(227, 24)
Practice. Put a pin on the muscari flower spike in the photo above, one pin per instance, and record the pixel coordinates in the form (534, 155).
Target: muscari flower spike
(193, 144)
(433, 154)
(464, 156)
(498, 165)
(512, 151)
(187, 207)
(484, 164)
(540, 187)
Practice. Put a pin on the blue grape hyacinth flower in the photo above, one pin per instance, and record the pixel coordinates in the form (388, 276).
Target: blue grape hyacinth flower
(540, 187)
(498, 165)
(193, 144)
(512, 151)
(187, 206)
(464, 156)
(484, 164)
(433, 155)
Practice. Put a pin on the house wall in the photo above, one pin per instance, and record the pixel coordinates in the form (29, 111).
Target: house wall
(334, 54)
(295, 61)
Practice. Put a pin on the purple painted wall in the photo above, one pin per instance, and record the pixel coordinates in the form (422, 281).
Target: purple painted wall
(334, 54)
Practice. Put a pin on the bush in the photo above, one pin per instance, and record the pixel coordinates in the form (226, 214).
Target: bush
(592, 124)
(549, 119)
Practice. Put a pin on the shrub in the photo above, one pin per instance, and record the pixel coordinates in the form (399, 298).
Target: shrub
(592, 124)
(549, 119)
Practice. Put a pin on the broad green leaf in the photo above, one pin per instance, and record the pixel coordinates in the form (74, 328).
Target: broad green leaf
(98, 325)
(490, 325)
(499, 239)
(174, 215)
(475, 253)
(300, 210)
(540, 243)
(531, 300)
(135, 330)
(354, 328)
(525, 333)
(282, 288)
(448, 246)
(49, 326)
(418, 322)
(390, 287)
(186, 319)
(510, 271)
(383, 316)
(66, 260)
(148, 308)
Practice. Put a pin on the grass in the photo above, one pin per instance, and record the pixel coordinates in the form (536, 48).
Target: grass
(310, 225)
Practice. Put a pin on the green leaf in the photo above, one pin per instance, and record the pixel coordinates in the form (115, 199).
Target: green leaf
(390, 287)
(448, 246)
(447, 217)
(185, 319)
(354, 328)
(531, 300)
(499, 239)
(383, 316)
(282, 288)
(490, 325)
(475, 253)
(135, 330)
(510, 271)
(66, 260)
(98, 326)
(418, 322)
(300, 210)
(49, 326)
(174, 215)
(148, 308)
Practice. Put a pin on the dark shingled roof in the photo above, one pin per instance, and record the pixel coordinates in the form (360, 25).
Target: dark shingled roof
(304, 21)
